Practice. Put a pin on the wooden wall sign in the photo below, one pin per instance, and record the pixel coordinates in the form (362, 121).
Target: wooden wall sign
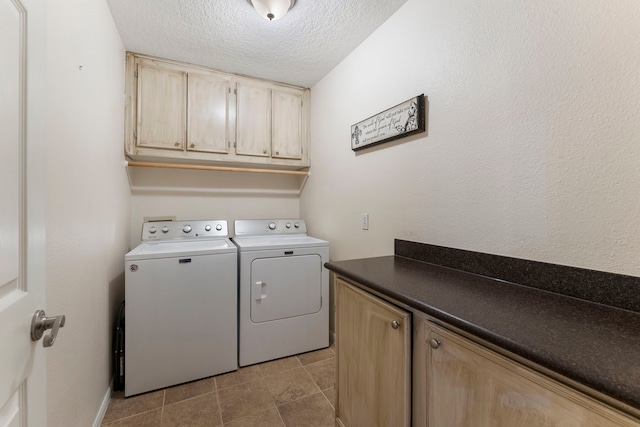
(397, 122)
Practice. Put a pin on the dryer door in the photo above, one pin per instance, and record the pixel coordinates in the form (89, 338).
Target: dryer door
(285, 287)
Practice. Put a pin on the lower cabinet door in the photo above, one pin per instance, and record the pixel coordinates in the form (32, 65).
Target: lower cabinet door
(471, 386)
(373, 360)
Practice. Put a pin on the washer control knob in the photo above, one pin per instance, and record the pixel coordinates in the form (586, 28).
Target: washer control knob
(207, 227)
(296, 225)
(152, 230)
(165, 229)
(219, 227)
(186, 229)
(288, 225)
(272, 226)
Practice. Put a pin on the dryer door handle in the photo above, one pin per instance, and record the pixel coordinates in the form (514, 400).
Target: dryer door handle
(259, 291)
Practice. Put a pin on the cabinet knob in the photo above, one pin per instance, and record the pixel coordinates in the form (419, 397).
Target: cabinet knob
(277, 153)
(193, 145)
(177, 144)
(434, 343)
(264, 151)
(395, 324)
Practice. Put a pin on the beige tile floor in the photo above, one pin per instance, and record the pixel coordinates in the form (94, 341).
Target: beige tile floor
(296, 391)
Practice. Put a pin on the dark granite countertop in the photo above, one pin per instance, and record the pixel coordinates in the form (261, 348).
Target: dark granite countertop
(594, 344)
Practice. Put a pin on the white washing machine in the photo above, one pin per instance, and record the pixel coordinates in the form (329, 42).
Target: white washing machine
(181, 305)
(283, 290)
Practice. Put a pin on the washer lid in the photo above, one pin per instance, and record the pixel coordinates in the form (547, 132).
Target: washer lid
(257, 243)
(168, 249)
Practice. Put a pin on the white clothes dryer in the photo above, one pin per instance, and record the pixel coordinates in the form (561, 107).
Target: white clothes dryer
(283, 290)
(181, 305)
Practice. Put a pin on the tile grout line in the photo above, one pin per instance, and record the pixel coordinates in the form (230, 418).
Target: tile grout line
(277, 410)
(280, 416)
(218, 403)
(317, 385)
(130, 416)
(264, 375)
(164, 399)
(314, 381)
(239, 383)
(300, 365)
(325, 396)
(271, 397)
(261, 378)
(303, 397)
(315, 363)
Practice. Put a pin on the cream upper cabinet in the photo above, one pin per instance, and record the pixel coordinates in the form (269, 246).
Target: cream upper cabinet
(469, 385)
(208, 107)
(253, 120)
(269, 121)
(180, 112)
(162, 109)
(373, 379)
(287, 111)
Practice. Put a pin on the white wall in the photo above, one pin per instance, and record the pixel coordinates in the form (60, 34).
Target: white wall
(533, 137)
(88, 203)
(188, 194)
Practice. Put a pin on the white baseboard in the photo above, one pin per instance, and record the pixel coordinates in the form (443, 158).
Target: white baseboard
(103, 408)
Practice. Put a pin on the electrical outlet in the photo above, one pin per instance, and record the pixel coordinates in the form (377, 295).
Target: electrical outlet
(365, 221)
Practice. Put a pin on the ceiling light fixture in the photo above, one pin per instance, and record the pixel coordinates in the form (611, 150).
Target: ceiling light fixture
(272, 9)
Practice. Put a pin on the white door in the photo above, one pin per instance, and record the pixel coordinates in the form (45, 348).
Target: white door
(22, 234)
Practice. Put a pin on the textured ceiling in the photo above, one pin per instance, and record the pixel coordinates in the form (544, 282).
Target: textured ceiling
(230, 36)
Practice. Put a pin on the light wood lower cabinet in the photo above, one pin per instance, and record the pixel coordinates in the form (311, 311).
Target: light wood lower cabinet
(373, 386)
(469, 385)
(458, 381)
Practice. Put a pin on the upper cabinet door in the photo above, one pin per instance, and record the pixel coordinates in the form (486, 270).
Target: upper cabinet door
(253, 120)
(287, 125)
(208, 101)
(162, 107)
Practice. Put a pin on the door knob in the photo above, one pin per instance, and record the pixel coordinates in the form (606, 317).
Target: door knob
(41, 323)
